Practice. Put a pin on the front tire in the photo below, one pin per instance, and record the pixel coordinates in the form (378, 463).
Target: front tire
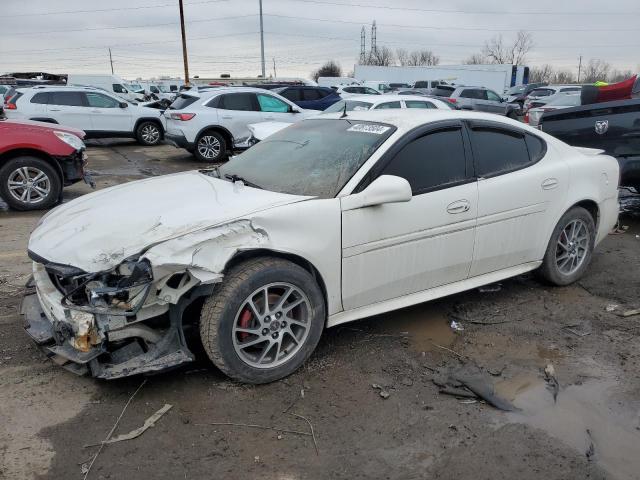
(29, 183)
(570, 248)
(263, 321)
(210, 147)
(149, 134)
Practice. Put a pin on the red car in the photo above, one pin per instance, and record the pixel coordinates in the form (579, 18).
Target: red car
(37, 160)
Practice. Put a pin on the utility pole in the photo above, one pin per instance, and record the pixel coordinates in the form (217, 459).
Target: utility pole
(275, 75)
(363, 45)
(261, 40)
(111, 60)
(579, 67)
(184, 46)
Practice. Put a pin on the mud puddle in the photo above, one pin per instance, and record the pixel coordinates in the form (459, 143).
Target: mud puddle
(424, 325)
(583, 415)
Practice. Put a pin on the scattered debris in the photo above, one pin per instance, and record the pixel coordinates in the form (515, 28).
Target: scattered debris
(313, 435)
(456, 326)
(247, 425)
(550, 377)
(485, 390)
(279, 437)
(148, 423)
(113, 429)
(612, 307)
(469, 401)
(450, 351)
(496, 287)
(457, 392)
(302, 393)
(384, 394)
(256, 459)
(630, 313)
(591, 451)
(570, 329)
(406, 381)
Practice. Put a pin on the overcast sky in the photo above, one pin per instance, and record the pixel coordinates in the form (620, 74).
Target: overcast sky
(73, 36)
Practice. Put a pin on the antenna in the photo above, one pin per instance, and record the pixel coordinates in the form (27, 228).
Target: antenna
(344, 110)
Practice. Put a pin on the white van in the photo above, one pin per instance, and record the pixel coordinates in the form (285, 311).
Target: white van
(337, 81)
(110, 83)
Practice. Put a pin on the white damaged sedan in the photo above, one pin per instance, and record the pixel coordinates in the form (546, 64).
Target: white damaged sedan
(330, 220)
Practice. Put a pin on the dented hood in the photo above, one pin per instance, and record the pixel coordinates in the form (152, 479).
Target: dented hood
(97, 231)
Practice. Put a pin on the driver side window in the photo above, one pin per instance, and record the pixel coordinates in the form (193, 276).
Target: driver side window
(493, 96)
(272, 104)
(433, 161)
(97, 100)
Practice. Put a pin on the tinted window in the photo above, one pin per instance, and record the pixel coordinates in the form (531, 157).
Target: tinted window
(493, 96)
(350, 89)
(154, 89)
(430, 161)
(442, 91)
(497, 151)
(311, 94)
(542, 92)
(418, 104)
(473, 93)
(42, 98)
(536, 146)
(272, 104)
(421, 84)
(182, 101)
(292, 94)
(98, 100)
(72, 99)
(370, 91)
(387, 105)
(237, 101)
(118, 88)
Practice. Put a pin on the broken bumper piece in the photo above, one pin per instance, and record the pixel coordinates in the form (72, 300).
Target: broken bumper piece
(128, 353)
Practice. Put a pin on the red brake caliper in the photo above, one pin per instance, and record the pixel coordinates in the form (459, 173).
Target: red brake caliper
(243, 322)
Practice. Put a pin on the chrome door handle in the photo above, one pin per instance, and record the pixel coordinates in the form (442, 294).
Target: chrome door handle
(550, 184)
(460, 206)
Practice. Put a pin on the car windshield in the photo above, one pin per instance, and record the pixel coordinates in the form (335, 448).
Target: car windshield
(315, 157)
(542, 92)
(566, 100)
(164, 89)
(351, 105)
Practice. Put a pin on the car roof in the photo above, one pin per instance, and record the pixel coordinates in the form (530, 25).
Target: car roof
(220, 90)
(61, 88)
(407, 119)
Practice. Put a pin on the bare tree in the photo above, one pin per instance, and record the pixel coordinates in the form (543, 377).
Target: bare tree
(596, 70)
(541, 74)
(618, 76)
(564, 76)
(382, 56)
(329, 69)
(496, 51)
(403, 56)
(476, 59)
(423, 57)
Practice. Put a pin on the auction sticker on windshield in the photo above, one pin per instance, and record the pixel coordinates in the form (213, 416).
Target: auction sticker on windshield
(368, 128)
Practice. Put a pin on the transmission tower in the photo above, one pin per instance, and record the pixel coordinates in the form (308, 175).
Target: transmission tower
(363, 45)
(374, 47)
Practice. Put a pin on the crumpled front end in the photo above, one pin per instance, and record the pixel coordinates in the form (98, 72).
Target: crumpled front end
(128, 319)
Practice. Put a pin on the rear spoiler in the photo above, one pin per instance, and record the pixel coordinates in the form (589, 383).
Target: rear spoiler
(589, 151)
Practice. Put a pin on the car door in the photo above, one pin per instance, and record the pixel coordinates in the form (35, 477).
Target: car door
(235, 112)
(386, 105)
(69, 108)
(521, 187)
(419, 104)
(494, 103)
(107, 115)
(277, 110)
(397, 249)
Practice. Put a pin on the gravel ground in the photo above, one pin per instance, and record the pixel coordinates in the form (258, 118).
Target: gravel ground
(400, 428)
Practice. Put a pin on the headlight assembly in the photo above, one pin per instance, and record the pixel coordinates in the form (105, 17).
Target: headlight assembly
(70, 139)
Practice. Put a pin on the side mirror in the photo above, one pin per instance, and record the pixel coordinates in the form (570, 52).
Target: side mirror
(293, 110)
(384, 189)
(124, 104)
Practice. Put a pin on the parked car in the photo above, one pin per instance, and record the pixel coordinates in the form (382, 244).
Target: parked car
(350, 90)
(382, 87)
(36, 161)
(539, 96)
(260, 131)
(481, 99)
(95, 111)
(212, 123)
(568, 100)
(519, 93)
(328, 221)
(109, 83)
(312, 98)
(397, 86)
(611, 126)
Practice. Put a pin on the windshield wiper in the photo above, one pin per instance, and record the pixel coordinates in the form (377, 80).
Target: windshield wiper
(237, 178)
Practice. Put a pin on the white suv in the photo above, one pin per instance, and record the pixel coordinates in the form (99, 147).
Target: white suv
(211, 123)
(91, 109)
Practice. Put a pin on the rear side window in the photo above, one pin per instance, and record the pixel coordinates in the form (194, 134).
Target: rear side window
(182, 101)
(311, 94)
(292, 94)
(382, 106)
(70, 99)
(432, 161)
(41, 98)
(350, 89)
(536, 146)
(441, 91)
(418, 104)
(492, 96)
(499, 151)
(473, 93)
(238, 101)
(98, 100)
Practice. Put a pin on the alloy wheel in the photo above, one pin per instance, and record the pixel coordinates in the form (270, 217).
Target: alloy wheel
(150, 133)
(209, 147)
(271, 325)
(29, 185)
(572, 247)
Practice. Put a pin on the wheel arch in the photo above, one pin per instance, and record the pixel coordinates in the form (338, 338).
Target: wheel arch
(244, 255)
(32, 152)
(221, 130)
(149, 119)
(590, 206)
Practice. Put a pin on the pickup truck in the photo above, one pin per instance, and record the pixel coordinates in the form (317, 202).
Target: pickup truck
(610, 126)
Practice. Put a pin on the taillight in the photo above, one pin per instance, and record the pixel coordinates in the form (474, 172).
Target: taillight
(183, 117)
(526, 118)
(452, 100)
(11, 106)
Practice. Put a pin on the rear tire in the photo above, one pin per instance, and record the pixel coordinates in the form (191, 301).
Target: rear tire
(149, 134)
(570, 248)
(274, 339)
(210, 147)
(29, 183)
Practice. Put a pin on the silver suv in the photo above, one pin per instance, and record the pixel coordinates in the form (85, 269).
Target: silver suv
(483, 100)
